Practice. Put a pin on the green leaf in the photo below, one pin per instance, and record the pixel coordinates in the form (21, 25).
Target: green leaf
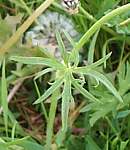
(74, 58)
(91, 144)
(61, 47)
(53, 87)
(3, 147)
(92, 66)
(123, 145)
(83, 91)
(106, 82)
(41, 73)
(51, 119)
(121, 23)
(69, 38)
(25, 143)
(124, 78)
(88, 107)
(104, 109)
(17, 141)
(104, 49)
(99, 77)
(13, 130)
(38, 61)
(92, 47)
(4, 97)
(123, 114)
(66, 97)
(106, 5)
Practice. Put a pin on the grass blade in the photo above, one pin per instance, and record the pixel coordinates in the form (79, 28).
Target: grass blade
(4, 97)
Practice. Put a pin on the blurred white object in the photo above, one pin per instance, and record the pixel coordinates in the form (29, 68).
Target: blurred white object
(43, 34)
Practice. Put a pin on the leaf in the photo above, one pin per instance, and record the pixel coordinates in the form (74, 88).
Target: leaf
(74, 58)
(124, 78)
(3, 147)
(25, 143)
(38, 61)
(104, 109)
(61, 47)
(123, 114)
(91, 144)
(69, 38)
(92, 47)
(98, 8)
(16, 141)
(106, 82)
(41, 73)
(83, 91)
(124, 144)
(104, 49)
(51, 118)
(88, 107)
(106, 5)
(66, 97)
(100, 77)
(120, 23)
(13, 130)
(92, 66)
(4, 97)
(53, 87)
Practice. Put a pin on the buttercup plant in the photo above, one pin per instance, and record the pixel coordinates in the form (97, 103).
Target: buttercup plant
(66, 70)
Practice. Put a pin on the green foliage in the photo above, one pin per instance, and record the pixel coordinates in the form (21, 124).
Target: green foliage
(65, 71)
(20, 144)
(121, 23)
(98, 8)
(92, 99)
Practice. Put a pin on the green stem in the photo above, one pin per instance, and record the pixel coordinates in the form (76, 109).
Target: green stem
(26, 7)
(50, 123)
(98, 24)
(42, 105)
(91, 18)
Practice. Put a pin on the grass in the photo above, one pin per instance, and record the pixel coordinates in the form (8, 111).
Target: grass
(76, 100)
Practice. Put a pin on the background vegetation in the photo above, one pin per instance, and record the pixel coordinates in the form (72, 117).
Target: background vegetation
(64, 77)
